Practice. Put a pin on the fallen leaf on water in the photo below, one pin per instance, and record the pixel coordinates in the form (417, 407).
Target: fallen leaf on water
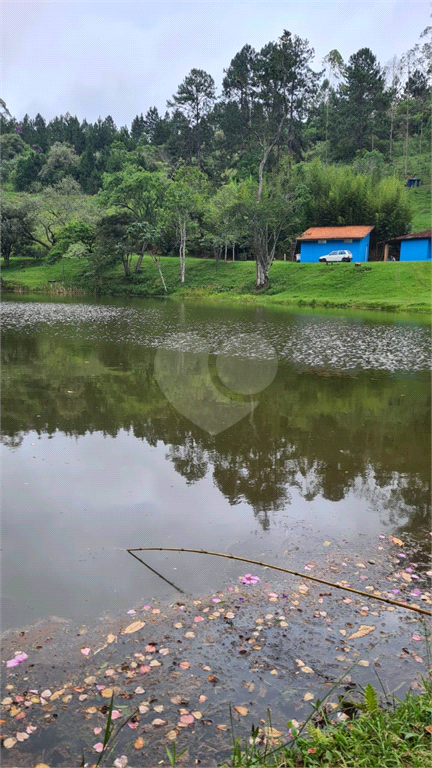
(144, 668)
(201, 698)
(98, 747)
(172, 735)
(187, 719)
(22, 735)
(158, 721)
(363, 663)
(308, 697)
(197, 714)
(10, 742)
(155, 663)
(120, 762)
(178, 625)
(416, 637)
(308, 670)
(143, 709)
(417, 658)
(396, 541)
(111, 638)
(85, 651)
(197, 619)
(107, 693)
(158, 708)
(139, 743)
(184, 665)
(46, 694)
(190, 634)
(97, 731)
(363, 630)
(164, 651)
(229, 615)
(273, 671)
(31, 728)
(134, 627)
(242, 711)
(155, 610)
(272, 733)
(115, 714)
(406, 577)
(91, 710)
(139, 689)
(221, 727)
(299, 662)
(327, 543)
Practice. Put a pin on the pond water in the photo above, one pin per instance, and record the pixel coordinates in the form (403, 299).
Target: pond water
(233, 429)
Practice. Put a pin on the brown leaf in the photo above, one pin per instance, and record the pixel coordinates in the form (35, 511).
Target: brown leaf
(158, 721)
(221, 727)
(172, 735)
(272, 733)
(242, 711)
(363, 630)
(428, 728)
(107, 693)
(134, 627)
(139, 743)
(396, 541)
(308, 697)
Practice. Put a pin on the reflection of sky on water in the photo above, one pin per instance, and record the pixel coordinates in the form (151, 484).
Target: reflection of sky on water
(78, 501)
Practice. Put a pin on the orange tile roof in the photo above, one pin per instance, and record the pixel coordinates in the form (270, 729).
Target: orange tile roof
(335, 233)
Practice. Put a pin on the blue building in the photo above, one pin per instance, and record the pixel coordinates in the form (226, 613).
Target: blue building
(318, 241)
(414, 247)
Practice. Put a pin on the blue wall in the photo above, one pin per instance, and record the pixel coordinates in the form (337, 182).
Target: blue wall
(311, 251)
(415, 250)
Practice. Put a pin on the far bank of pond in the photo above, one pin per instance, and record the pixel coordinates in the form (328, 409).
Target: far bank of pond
(391, 286)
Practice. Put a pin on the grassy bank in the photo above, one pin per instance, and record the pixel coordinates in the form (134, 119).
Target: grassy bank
(388, 286)
(395, 735)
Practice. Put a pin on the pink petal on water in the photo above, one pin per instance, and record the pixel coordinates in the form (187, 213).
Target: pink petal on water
(21, 657)
(395, 591)
(12, 663)
(98, 747)
(414, 576)
(416, 637)
(416, 592)
(146, 607)
(131, 611)
(115, 714)
(400, 554)
(230, 589)
(409, 570)
(381, 536)
(85, 651)
(197, 619)
(216, 600)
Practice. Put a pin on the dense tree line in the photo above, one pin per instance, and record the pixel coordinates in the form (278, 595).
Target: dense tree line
(283, 147)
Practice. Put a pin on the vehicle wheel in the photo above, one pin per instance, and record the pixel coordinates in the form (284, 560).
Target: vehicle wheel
(324, 261)
(345, 259)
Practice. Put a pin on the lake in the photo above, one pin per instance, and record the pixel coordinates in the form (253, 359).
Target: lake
(236, 429)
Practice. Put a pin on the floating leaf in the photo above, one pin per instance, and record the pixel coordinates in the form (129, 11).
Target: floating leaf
(107, 693)
(197, 714)
(272, 733)
(308, 697)
(22, 736)
(120, 762)
(172, 735)
(197, 619)
(158, 721)
(221, 727)
(363, 663)
(111, 638)
(201, 698)
(158, 708)
(327, 543)
(187, 719)
(178, 625)
(98, 747)
(85, 651)
(363, 630)
(190, 634)
(242, 711)
(134, 627)
(308, 670)
(396, 541)
(299, 662)
(184, 665)
(164, 651)
(9, 742)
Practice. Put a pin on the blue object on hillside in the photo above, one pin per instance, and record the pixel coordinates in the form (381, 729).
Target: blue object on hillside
(413, 182)
(318, 241)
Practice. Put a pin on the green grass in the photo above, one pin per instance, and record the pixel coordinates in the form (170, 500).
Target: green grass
(375, 737)
(376, 285)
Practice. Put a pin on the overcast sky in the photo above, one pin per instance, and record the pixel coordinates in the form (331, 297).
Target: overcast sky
(119, 57)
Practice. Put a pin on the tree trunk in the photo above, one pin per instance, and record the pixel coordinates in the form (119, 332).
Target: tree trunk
(233, 252)
(182, 250)
(126, 267)
(226, 252)
(261, 273)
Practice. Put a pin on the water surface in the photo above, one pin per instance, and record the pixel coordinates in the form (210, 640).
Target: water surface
(97, 459)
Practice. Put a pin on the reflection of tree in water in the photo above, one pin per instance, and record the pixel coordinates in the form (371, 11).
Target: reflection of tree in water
(320, 435)
(189, 460)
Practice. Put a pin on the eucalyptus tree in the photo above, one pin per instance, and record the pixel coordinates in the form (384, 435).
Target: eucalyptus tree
(195, 97)
(335, 69)
(183, 203)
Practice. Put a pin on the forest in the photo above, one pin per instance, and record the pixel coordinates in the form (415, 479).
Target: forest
(239, 175)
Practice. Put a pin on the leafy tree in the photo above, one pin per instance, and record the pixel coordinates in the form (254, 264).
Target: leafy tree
(72, 234)
(195, 97)
(183, 202)
(27, 170)
(17, 224)
(61, 161)
(11, 145)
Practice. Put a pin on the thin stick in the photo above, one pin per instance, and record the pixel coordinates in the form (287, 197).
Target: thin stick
(284, 570)
(157, 573)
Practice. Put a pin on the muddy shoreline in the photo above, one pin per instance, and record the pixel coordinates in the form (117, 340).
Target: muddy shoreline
(176, 668)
